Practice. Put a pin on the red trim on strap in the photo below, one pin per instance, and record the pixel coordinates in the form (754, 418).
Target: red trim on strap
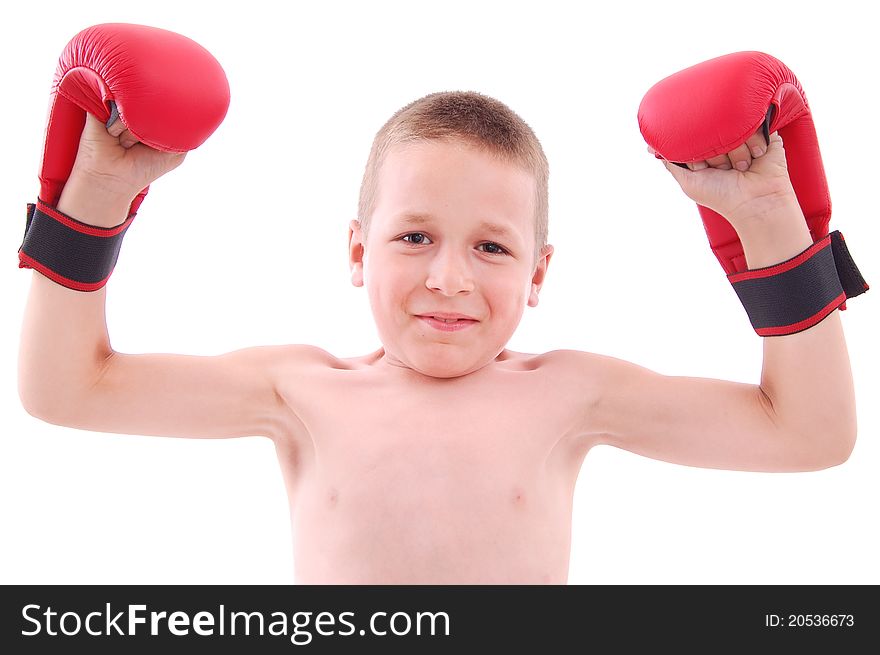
(787, 265)
(84, 228)
(27, 262)
(781, 330)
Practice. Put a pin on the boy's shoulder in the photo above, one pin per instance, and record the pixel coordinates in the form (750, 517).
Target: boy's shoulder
(303, 360)
(563, 361)
(579, 376)
(305, 355)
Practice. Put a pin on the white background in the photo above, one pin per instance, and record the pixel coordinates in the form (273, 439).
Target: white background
(245, 244)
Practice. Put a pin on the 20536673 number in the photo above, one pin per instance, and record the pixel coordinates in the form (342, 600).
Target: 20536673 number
(809, 620)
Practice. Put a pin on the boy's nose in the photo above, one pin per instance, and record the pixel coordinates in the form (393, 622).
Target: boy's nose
(450, 274)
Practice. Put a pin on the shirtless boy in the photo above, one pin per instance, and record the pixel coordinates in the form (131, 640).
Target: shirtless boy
(468, 476)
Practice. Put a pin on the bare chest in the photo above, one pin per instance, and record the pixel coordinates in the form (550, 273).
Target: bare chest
(417, 480)
(444, 436)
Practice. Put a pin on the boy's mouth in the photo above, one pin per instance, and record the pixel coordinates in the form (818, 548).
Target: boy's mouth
(447, 322)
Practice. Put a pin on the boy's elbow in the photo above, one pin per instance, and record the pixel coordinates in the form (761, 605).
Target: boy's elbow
(843, 443)
(824, 443)
(832, 449)
(35, 396)
(35, 409)
(50, 408)
(843, 447)
(40, 407)
(60, 400)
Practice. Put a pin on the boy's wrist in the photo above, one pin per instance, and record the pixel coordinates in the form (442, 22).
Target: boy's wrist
(775, 237)
(93, 204)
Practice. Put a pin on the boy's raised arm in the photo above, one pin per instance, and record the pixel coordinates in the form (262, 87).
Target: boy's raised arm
(70, 375)
(127, 102)
(801, 417)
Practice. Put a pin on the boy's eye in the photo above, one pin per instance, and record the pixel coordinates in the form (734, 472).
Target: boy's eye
(494, 248)
(421, 239)
(416, 238)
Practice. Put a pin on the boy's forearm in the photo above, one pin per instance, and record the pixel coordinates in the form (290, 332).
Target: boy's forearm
(64, 339)
(807, 375)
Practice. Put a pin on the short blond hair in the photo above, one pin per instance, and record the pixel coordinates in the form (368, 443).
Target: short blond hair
(473, 118)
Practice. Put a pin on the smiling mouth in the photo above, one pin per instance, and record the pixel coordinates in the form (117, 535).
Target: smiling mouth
(445, 324)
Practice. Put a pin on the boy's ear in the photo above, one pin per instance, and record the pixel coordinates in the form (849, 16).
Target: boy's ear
(356, 253)
(540, 274)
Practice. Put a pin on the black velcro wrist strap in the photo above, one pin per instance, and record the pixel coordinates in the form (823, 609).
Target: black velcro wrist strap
(73, 254)
(798, 293)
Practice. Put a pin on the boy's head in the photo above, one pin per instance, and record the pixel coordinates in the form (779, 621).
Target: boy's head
(451, 236)
(471, 118)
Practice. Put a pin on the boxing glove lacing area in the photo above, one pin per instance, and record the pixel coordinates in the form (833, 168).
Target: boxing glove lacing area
(73, 254)
(800, 292)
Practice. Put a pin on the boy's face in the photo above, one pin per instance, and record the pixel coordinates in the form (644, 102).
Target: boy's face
(452, 234)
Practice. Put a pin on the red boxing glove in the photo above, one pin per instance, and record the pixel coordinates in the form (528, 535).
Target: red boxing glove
(169, 91)
(711, 108)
